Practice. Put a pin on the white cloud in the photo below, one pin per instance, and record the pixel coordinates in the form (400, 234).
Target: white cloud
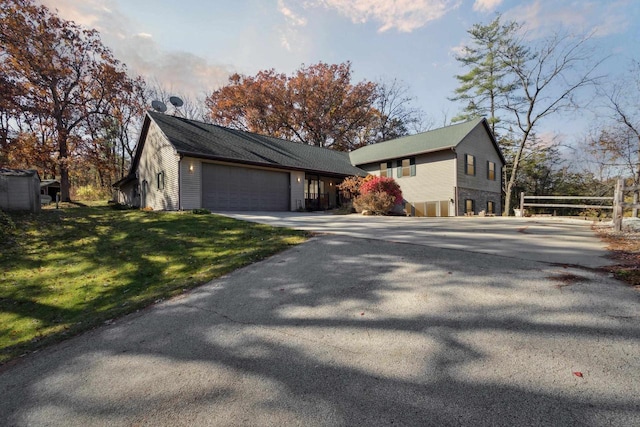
(403, 15)
(545, 16)
(292, 18)
(284, 41)
(486, 5)
(99, 14)
(290, 33)
(458, 50)
(183, 72)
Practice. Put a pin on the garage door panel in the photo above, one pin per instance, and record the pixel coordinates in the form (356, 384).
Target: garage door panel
(228, 188)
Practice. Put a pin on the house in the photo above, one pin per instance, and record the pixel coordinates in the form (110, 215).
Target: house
(19, 190)
(450, 171)
(186, 164)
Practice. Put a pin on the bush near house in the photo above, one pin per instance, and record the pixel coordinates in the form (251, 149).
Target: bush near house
(350, 186)
(382, 184)
(374, 203)
(378, 195)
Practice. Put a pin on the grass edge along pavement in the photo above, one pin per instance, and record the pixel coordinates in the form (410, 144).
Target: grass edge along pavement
(66, 271)
(624, 250)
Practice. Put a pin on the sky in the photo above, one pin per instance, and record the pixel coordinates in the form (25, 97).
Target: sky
(191, 46)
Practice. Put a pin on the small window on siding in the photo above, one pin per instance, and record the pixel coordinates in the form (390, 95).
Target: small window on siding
(491, 171)
(469, 206)
(469, 164)
(386, 169)
(406, 167)
(490, 207)
(160, 177)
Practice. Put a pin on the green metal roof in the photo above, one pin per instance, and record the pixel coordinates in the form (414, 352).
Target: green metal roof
(198, 139)
(435, 140)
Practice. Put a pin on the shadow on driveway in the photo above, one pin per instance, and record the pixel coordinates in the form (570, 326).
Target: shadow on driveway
(344, 331)
(551, 240)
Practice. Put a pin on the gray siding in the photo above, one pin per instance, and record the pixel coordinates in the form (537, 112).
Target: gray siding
(158, 155)
(191, 183)
(478, 187)
(478, 144)
(20, 193)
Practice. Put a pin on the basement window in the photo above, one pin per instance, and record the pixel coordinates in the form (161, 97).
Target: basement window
(490, 207)
(470, 206)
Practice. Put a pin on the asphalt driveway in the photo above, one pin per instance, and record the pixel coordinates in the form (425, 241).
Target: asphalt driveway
(546, 239)
(347, 330)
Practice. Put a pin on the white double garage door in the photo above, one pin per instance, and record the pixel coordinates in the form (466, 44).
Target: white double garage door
(232, 188)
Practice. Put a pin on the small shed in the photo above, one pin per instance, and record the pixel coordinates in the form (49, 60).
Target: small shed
(126, 191)
(50, 187)
(19, 190)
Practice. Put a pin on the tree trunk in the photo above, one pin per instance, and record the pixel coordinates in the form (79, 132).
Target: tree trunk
(63, 161)
(514, 171)
(636, 181)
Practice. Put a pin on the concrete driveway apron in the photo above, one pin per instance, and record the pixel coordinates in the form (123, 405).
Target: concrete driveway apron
(348, 329)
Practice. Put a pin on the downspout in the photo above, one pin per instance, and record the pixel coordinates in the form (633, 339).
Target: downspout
(180, 182)
(455, 180)
(456, 199)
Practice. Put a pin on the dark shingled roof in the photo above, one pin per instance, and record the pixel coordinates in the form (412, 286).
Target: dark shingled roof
(434, 140)
(198, 139)
(17, 172)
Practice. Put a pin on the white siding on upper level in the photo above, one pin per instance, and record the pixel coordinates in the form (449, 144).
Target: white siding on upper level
(158, 160)
(434, 179)
(191, 183)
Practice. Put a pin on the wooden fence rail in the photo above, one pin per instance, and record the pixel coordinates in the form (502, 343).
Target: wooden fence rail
(619, 204)
(524, 204)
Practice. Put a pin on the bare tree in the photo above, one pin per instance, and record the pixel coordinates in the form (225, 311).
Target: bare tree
(193, 109)
(397, 116)
(549, 76)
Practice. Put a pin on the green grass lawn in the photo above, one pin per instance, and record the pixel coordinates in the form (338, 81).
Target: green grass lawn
(74, 268)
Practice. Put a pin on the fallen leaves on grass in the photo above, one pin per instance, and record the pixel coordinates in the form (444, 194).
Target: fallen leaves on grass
(624, 249)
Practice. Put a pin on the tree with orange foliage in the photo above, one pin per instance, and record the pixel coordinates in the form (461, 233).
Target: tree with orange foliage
(64, 76)
(317, 105)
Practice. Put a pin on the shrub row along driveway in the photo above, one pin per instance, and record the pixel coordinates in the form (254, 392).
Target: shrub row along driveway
(343, 330)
